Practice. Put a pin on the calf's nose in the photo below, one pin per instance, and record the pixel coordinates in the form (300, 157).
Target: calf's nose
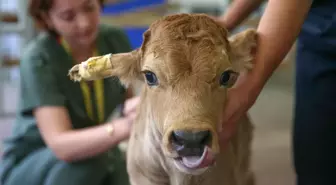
(191, 137)
(190, 143)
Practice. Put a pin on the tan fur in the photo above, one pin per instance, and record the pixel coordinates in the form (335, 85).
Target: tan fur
(188, 54)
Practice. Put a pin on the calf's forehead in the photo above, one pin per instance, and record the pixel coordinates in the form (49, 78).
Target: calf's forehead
(195, 59)
(192, 44)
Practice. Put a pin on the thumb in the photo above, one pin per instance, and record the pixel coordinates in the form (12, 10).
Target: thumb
(227, 125)
(226, 134)
(224, 137)
(226, 115)
(131, 117)
(227, 130)
(130, 105)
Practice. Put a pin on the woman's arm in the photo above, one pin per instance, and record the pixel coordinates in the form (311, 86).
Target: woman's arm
(43, 99)
(237, 12)
(277, 30)
(72, 145)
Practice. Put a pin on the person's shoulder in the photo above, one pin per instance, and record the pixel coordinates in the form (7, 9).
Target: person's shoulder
(35, 53)
(36, 48)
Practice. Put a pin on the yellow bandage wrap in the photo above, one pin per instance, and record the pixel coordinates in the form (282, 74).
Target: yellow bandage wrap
(92, 69)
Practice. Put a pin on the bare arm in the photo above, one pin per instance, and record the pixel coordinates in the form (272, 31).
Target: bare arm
(72, 145)
(237, 12)
(278, 30)
(44, 99)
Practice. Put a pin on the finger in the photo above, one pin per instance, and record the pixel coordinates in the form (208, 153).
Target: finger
(131, 117)
(130, 105)
(227, 131)
(227, 114)
(128, 110)
(230, 126)
(224, 141)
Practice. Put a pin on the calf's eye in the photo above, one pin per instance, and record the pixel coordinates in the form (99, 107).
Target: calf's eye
(150, 78)
(228, 78)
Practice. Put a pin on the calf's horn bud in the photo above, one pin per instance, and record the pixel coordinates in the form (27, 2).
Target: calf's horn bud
(92, 69)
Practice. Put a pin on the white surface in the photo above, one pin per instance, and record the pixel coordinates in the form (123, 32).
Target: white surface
(17, 7)
(9, 89)
(9, 5)
(23, 30)
(12, 43)
(10, 98)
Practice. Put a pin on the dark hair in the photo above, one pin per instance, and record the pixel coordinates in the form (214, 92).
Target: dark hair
(37, 7)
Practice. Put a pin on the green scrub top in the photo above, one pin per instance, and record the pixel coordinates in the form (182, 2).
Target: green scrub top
(45, 81)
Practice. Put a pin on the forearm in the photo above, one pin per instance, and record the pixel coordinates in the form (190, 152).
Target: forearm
(277, 31)
(238, 11)
(79, 144)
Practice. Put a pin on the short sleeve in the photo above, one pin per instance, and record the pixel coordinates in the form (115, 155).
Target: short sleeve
(39, 85)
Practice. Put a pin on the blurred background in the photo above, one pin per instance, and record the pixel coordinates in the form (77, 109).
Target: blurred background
(272, 113)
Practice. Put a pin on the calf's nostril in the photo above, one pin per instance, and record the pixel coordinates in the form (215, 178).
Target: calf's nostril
(190, 143)
(191, 137)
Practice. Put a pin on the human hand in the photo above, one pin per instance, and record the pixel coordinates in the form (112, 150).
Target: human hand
(221, 21)
(124, 124)
(240, 99)
(131, 105)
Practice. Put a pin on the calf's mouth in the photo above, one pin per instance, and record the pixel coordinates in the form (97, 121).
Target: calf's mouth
(193, 148)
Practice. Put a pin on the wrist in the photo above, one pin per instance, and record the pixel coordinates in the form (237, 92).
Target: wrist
(121, 128)
(255, 84)
(257, 80)
(225, 23)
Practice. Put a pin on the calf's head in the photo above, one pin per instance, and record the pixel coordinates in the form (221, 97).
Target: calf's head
(187, 63)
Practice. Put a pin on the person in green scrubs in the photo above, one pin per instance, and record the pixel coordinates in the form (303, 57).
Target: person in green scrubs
(63, 134)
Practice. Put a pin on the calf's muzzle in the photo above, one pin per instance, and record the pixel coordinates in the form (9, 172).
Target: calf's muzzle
(190, 143)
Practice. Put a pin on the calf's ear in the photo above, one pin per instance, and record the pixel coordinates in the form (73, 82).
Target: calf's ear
(122, 65)
(242, 49)
(125, 66)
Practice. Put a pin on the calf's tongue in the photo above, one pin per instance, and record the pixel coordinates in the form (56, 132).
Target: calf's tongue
(206, 159)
